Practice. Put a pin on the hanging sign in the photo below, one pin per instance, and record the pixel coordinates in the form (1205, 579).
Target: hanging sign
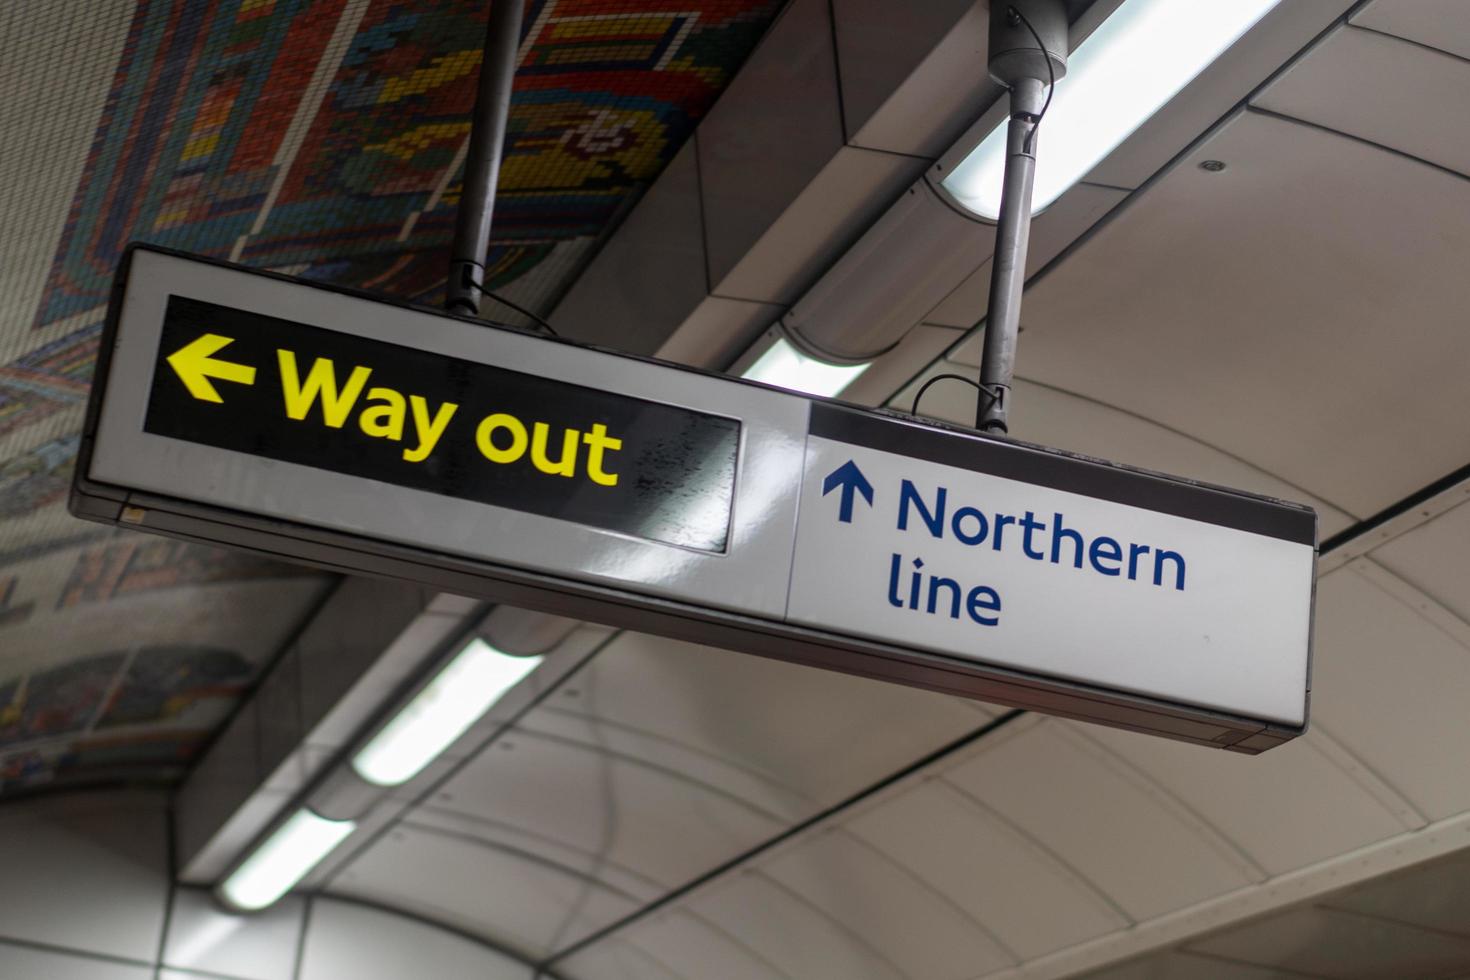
(328, 426)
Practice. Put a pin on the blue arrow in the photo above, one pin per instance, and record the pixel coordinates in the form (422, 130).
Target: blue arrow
(849, 478)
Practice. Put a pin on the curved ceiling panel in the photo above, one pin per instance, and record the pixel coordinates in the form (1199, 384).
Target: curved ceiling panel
(1389, 682)
(1052, 417)
(1215, 305)
(1159, 857)
(800, 939)
(660, 824)
(531, 909)
(812, 737)
(1438, 23)
(934, 940)
(1315, 811)
(683, 944)
(977, 859)
(1375, 87)
(1431, 558)
(651, 765)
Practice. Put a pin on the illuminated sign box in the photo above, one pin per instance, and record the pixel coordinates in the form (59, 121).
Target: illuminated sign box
(327, 426)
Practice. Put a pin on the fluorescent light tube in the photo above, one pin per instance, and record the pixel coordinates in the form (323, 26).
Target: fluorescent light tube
(284, 859)
(1135, 62)
(443, 711)
(786, 367)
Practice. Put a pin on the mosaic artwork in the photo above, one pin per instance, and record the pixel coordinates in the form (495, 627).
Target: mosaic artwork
(352, 175)
(319, 137)
(141, 564)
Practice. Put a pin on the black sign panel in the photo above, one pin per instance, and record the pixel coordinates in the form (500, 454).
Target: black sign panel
(300, 394)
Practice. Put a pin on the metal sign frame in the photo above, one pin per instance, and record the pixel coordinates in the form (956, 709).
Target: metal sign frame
(606, 602)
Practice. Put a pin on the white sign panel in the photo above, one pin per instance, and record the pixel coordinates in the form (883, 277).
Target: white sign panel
(896, 547)
(331, 427)
(270, 397)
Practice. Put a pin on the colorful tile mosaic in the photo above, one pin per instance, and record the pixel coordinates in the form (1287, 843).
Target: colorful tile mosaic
(141, 564)
(63, 699)
(165, 684)
(47, 379)
(12, 611)
(37, 478)
(209, 143)
(326, 138)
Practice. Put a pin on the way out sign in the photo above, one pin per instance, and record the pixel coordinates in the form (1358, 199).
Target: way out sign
(330, 427)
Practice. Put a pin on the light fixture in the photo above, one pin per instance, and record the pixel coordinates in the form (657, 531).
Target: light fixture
(1135, 62)
(784, 366)
(283, 859)
(465, 689)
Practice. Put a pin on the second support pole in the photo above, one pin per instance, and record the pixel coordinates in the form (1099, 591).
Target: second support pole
(1028, 43)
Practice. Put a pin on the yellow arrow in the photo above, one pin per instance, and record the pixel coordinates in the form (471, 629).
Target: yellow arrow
(195, 367)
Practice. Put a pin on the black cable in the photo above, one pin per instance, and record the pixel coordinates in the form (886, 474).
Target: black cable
(502, 300)
(1051, 80)
(950, 377)
(518, 308)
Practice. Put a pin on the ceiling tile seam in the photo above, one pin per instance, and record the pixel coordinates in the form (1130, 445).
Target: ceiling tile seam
(1363, 140)
(837, 73)
(1042, 851)
(929, 888)
(1408, 40)
(884, 151)
(433, 924)
(1423, 497)
(1188, 816)
(40, 946)
(729, 937)
(193, 971)
(1183, 435)
(648, 957)
(434, 785)
(611, 824)
(1193, 145)
(1326, 905)
(673, 774)
(1421, 603)
(1277, 970)
(308, 906)
(247, 702)
(530, 857)
(704, 260)
(511, 831)
(1107, 187)
(1287, 889)
(1399, 797)
(1340, 757)
(751, 854)
(748, 771)
(171, 851)
(857, 939)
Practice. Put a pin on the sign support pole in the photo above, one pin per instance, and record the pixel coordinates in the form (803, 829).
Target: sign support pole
(482, 165)
(1028, 45)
